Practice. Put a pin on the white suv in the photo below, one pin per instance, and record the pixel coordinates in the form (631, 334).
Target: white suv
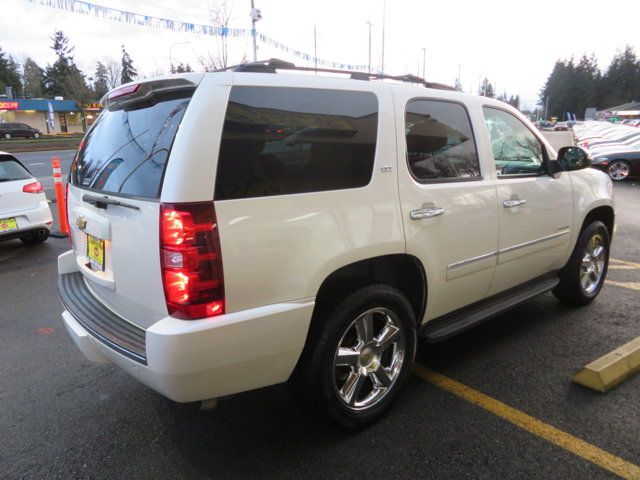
(239, 229)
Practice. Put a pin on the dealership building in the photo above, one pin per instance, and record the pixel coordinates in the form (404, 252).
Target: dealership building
(620, 112)
(48, 116)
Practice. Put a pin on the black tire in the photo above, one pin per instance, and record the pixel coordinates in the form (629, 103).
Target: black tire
(322, 384)
(35, 238)
(618, 170)
(577, 283)
(36, 135)
(7, 136)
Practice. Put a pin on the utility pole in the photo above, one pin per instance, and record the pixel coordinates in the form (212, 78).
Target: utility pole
(315, 47)
(369, 45)
(255, 16)
(424, 62)
(384, 15)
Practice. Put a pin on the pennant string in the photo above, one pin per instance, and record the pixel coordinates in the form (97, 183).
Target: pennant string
(113, 14)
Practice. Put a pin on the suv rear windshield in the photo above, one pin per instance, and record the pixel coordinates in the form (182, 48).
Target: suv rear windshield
(126, 150)
(12, 170)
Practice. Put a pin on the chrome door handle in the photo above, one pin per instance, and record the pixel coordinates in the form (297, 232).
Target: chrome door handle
(513, 203)
(427, 212)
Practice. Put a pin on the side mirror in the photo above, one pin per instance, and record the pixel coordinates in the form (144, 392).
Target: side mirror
(573, 158)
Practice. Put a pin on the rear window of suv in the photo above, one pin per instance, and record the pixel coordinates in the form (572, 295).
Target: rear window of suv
(279, 141)
(127, 149)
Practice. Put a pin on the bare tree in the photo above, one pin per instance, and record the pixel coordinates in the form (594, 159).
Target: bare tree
(114, 72)
(220, 15)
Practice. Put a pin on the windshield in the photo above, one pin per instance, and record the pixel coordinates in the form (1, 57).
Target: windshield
(127, 149)
(12, 170)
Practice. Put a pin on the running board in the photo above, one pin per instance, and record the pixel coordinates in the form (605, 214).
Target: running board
(456, 322)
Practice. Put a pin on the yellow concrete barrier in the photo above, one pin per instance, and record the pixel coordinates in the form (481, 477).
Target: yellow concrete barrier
(611, 369)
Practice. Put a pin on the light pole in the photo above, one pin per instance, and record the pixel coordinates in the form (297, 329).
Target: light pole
(315, 47)
(546, 108)
(424, 62)
(170, 57)
(369, 23)
(384, 16)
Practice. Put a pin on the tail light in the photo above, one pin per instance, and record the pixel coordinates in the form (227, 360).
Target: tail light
(191, 260)
(66, 204)
(123, 91)
(34, 187)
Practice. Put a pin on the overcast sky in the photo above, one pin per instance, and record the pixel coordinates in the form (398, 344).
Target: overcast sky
(513, 43)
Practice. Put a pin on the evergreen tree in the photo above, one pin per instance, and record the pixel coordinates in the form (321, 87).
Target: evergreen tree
(33, 79)
(621, 82)
(486, 89)
(9, 75)
(101, 81)
(129, 73)
(56, 74)
(458, 85)
(64, 77)
(575, 87)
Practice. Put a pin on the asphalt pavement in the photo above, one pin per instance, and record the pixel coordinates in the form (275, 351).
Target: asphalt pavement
(63, 417)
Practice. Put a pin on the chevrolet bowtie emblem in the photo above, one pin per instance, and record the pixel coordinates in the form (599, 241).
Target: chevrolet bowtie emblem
(81, 223)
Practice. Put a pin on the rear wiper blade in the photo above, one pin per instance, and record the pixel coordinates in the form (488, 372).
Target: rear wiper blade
(103, 202)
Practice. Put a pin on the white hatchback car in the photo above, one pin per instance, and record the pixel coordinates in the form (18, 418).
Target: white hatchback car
(24, 210)
(238, 229)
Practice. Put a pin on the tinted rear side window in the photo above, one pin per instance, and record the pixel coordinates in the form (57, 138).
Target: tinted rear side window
(126, 150)
(440, 143)
(279, 141)
(12, 170)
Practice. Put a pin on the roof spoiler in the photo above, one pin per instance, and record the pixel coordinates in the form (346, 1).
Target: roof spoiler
(134, 93)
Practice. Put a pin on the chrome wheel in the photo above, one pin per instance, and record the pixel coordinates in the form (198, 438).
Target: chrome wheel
(369, 358)
(618, 170)
(593, 261)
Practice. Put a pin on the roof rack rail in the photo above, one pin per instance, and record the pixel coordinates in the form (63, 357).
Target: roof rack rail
(273, 64)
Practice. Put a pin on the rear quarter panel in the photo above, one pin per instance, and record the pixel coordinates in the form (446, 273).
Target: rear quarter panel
(281, 248)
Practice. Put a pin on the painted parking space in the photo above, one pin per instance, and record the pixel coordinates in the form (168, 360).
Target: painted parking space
(601, 375)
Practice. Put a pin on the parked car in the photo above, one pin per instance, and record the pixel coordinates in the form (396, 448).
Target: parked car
(561, 126)
(12, 130)
(203, 267)
(619, 165)
(623, 135)
(24, 210)
(632, 144)
(544, 125)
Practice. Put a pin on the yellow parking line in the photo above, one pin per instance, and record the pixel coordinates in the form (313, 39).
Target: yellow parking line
(543, 430)
(630, 285)
(625, 262)
(621, 267)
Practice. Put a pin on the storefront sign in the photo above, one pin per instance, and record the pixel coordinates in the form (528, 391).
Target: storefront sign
(8, 105)
(93, 107)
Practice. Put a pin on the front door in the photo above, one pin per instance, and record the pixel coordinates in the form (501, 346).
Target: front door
(536, 210)
(448, 202)
(63, 122)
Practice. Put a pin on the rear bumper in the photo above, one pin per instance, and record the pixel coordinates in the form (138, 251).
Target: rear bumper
(29, 220)
(200, 359)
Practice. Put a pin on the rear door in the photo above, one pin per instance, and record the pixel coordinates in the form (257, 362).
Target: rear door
(114, 210)
(448, 202)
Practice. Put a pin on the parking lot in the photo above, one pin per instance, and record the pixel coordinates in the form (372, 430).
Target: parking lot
(495, 402)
